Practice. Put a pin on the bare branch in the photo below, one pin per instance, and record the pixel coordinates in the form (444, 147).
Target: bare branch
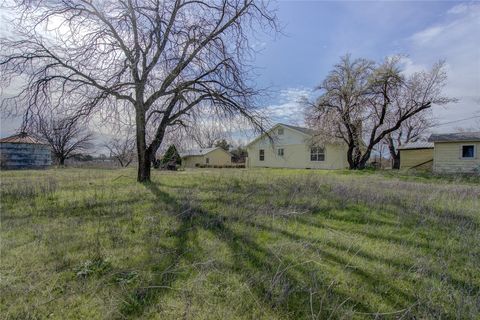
(364, 103)
(165, 59)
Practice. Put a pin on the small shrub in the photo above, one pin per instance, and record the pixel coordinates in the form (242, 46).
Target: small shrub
(136, 301)
(125, 277)
(95, 267)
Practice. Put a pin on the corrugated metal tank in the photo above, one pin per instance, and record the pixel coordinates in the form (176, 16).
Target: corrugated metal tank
(23, 151)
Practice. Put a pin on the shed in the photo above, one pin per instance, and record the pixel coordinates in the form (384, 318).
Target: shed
(416, 155)
(206, 157)
(456, 152)
(23, 151)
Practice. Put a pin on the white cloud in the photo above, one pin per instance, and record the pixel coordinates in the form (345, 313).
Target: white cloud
(410, 67)
(458, 9)
(428, 34)
(454, 39)
(289, 108)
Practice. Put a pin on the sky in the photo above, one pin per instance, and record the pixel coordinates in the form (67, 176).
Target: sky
(316, 33)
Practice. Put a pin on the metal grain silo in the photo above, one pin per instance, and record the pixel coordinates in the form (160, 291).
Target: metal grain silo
(23, 151)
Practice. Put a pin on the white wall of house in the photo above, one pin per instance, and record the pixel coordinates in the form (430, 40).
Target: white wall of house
(296, 152)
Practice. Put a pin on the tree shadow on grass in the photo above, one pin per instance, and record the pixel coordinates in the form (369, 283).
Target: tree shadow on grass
(279, 284)
(461, 285)
(163, 259)
(396, 296)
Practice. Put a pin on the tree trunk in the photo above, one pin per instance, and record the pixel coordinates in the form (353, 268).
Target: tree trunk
(362, 161)
(351, 164)
(357, 158)
(396, 162)
(394, 154)
(61, 161)
(354, 158)
(144, 168)
(144, 164)
(362, 164)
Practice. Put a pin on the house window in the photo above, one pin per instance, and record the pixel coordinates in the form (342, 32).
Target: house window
(261, 155)
(280, 131)
(468, 151)
(317, 154)
(280, 152)
(207, 160)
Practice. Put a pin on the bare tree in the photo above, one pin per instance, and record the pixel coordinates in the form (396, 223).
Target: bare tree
(223, 144)
(205, 133)
(176, 136)
(163, 59)
(65, 137)
(122, 149)
(363, 102)
(339, 112)
(411, 130)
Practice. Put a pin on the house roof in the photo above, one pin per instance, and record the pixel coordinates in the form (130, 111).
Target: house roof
(22, 137)
(453, 137)
(305, 131)
(301, 129)
(416, 145)
(198, 152)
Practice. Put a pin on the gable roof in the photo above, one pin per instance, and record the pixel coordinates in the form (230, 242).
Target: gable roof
(22, 137)
(199, 152)
(304, 131)
(453, 137)
(416, 145)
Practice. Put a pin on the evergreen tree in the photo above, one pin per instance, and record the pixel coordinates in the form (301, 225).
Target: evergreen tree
(223, 144)
(171, 156)
(239, 154)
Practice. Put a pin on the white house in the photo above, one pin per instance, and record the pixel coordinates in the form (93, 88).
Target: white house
(286, 146)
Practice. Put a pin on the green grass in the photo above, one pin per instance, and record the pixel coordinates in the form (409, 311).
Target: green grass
(238, 244)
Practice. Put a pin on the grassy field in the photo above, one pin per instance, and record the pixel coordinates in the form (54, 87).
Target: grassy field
(238, 244)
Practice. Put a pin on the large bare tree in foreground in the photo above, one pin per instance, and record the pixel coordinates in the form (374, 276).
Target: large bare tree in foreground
(364, 102)
(163, 59)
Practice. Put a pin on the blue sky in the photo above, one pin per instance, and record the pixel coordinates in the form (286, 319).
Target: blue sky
(317, 33)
